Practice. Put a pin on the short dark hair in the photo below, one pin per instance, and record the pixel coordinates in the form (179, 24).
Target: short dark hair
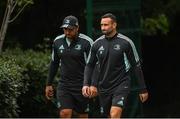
(111, 16)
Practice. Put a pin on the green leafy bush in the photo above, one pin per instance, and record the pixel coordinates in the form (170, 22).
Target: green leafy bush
(151, 26)
(33, 68)
(11, 86)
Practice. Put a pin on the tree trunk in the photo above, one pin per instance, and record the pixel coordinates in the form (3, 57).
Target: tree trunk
(3, 33)
(4, 25)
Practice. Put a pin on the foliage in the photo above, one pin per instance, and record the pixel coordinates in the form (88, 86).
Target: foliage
(11, 86)
(21, 2)
(158, 16)
(151, 26)
(29, 74)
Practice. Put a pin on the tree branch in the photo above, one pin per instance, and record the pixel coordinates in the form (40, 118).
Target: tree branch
(18, 13)
(15, 3)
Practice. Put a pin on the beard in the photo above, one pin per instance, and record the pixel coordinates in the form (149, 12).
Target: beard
(72, 36)
(107, 32)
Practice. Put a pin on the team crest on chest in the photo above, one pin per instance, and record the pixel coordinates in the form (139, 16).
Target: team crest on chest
(116, 47)
(77, 47)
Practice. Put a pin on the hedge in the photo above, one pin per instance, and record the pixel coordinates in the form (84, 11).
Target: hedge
(22, 81)
(11, 86)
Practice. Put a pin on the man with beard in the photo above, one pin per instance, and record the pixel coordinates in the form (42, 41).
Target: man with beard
(116, 56)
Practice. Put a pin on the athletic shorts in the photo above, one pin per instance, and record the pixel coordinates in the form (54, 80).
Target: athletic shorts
(75, 101)
(117, 98)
